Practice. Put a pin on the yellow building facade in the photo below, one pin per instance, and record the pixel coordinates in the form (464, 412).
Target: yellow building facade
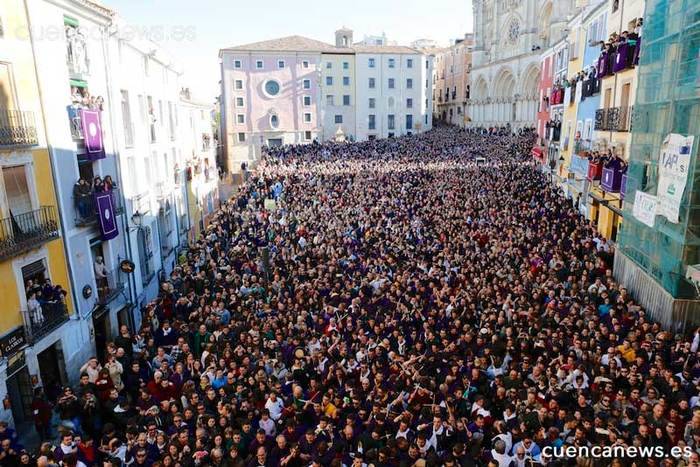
(31, 248)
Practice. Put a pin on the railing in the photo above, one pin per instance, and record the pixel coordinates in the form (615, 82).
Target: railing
(22, 232)
(86, 208)
(17, 128)
(109, 287)
(42, 320)
(613, 119)
(76, 126)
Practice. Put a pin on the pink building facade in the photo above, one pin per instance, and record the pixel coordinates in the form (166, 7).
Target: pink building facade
(270, 95)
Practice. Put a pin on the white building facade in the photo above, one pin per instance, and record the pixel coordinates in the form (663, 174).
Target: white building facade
(145, 89)
(393, 91)
(510, 36)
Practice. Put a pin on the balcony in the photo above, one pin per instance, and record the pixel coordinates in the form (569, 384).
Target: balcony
(613, 119)
(86, 209)
(42, 321)
(22, 232)
(595, 171)
(17, 128)
(110, 286)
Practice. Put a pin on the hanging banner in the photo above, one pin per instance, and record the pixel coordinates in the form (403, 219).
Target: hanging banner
(674, 162)
(92, 132)
(645, 206)
(105, 210)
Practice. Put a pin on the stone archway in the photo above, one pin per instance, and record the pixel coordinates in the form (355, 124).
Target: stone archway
(504, 93)
(529, 85)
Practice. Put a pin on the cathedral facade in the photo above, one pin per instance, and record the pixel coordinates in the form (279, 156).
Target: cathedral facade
(510, 37)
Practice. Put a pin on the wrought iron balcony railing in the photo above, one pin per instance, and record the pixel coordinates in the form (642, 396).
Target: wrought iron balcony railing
(86, 209)
(41, 320)
(17, 128)
(613, 119)
(22, 232)
(110, 286)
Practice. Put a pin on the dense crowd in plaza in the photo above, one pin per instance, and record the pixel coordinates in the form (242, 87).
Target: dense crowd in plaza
(423, 301)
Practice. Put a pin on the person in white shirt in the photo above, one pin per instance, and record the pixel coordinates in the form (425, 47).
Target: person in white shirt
(275, 406)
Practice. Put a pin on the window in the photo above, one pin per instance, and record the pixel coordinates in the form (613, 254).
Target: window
(329, 99)
(329, 65)
(241, 137)
(236, 63)
(409, 63)
(238, 84)
(346, 66)
(307, 117)
(329, 81)
(307, 101)
(274, 121)
(372, 83)
(391, 83)
(371, 63)
(239, 102)
(391, 121)
(305, 64)
(392, 63)
(240, 119)
(307, 135)
(272, 88)
(346, 100)
(306, 84)
(131, 170)
(372, 102)
(425, 118)
(280, 63)
(338, 119)
(409, 103)
(259, 64)
(372, 122)
(409, 122)
(427, 65)
(346, 81)
(19, 200)
(409, 83)
(126, 117)
(146, 67)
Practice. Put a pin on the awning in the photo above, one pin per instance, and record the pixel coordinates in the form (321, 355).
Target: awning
(70, 21)
(78, 83)
(606, 203)
(538, 153)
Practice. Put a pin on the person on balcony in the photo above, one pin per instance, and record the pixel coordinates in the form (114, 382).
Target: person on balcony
(82, 193)
(98, 185)
(36, 314)
(101, 277)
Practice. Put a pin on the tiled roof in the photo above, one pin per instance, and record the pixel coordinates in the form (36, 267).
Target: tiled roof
(304, 44)
(289, 44)
(384, 49)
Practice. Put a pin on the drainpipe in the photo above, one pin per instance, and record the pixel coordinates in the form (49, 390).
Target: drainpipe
(125, 224)
(53, 170)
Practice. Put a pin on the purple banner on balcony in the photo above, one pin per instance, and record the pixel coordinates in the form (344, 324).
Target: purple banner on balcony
(610, 180)
(92, 132)
(623, 186)
(105, 211)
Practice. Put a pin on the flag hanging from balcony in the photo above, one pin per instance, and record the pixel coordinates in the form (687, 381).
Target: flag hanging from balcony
(105, 210)
(92, 132)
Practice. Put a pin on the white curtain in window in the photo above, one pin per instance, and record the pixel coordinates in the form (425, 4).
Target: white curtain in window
(19, 200)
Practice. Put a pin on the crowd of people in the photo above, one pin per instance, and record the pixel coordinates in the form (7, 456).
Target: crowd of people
(428, 300)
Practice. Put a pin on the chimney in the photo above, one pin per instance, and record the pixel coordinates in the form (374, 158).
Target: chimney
(343, 37)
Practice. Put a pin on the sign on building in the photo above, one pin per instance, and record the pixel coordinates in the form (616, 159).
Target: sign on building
(674, 163)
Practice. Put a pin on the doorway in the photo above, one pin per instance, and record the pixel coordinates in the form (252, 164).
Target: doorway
(52, 369)
(101, 326)
(274, 142)
(19, 390)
